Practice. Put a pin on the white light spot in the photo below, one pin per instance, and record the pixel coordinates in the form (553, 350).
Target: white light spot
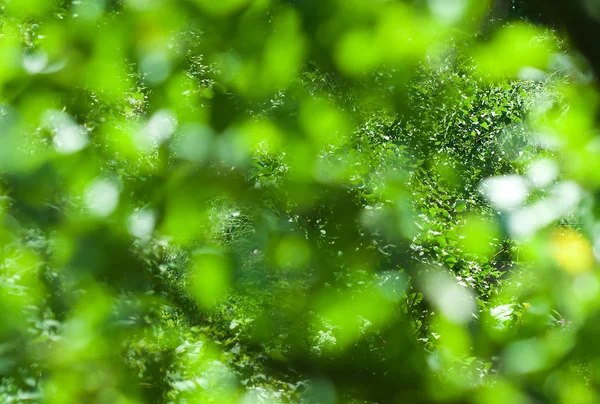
(55, 67)
(526, 221)
(141, 224)
(453, 301)
(68, 136)
(506, 192)
(159, 128)
(567, 194)
(448, 10)
(531, 74)
(542, 172)
(548, 140)
(35, 62)
(161, 125)
(102, 197)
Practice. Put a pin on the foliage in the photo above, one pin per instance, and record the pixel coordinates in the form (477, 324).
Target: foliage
(268, 201)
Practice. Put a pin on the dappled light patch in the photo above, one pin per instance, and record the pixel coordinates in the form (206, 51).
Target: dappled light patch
(102, 197)
(564, 199)
(505, 192)
(452, 300)
(68, 136)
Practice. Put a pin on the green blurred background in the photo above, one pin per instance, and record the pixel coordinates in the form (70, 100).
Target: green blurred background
(316, 201)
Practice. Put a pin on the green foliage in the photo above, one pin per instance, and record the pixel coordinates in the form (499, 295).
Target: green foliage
(268, 201)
